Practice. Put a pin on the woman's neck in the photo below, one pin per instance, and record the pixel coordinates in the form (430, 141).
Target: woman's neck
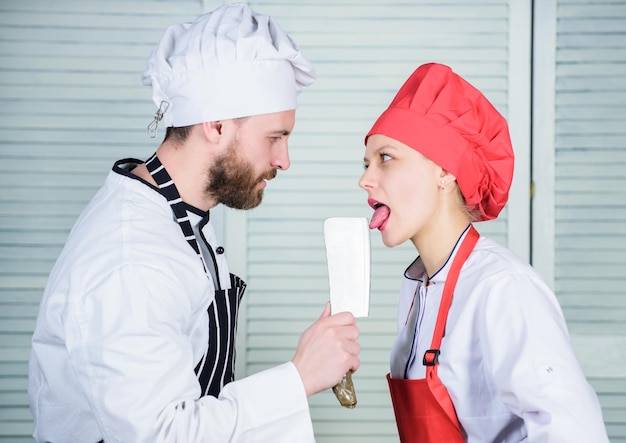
(435, 245)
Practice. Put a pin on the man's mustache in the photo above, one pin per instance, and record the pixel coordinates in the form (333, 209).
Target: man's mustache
(270, 175)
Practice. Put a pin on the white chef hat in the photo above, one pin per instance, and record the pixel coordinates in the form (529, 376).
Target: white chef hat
(228, 63)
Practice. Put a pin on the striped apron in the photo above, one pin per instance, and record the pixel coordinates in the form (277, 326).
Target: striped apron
(217, 367)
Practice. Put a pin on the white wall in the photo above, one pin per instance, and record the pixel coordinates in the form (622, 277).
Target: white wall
(71, 103)
(579, 158)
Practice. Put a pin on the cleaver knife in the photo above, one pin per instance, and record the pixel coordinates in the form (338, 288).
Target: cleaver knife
(347, 241)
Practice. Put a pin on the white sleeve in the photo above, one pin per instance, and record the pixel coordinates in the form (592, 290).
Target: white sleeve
(129, 340)
(534, 366)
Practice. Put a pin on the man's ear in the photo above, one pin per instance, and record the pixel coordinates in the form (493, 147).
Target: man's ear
(212, 131)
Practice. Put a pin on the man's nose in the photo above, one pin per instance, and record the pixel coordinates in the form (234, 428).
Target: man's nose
(280, 157)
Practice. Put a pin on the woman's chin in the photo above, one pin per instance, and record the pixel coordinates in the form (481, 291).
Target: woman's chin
(389, 240)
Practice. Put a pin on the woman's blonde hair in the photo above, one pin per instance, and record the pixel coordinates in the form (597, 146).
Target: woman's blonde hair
(472, 211)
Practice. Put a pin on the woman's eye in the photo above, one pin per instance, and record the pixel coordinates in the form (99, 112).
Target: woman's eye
(385, 157)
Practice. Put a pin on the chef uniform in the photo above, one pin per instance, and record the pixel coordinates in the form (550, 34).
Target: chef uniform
(506, 359)
(483, 352)
(135, 338)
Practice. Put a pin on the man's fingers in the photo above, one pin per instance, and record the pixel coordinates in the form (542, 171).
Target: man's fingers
(352, 348)
(339, 319)
(326, 312)
(343, 319)
(347, 332)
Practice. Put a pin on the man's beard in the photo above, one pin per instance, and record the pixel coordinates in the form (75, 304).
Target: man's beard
(232, 181)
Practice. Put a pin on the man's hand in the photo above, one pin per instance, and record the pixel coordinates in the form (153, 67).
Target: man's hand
(327, 350)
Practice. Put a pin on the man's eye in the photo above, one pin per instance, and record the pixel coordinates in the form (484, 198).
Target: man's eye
(384, 157)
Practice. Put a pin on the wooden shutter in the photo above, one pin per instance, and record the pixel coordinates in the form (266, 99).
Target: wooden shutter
(579, 161)
(362, 52)
(71, 103)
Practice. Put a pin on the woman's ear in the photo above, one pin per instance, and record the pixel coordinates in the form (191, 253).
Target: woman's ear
(445, 178)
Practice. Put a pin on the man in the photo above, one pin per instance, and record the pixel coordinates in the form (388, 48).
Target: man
(135, 337)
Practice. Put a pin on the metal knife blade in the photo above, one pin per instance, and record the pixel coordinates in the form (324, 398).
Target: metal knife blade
(347, 241)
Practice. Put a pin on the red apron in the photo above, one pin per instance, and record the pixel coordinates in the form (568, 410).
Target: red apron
(423, 408)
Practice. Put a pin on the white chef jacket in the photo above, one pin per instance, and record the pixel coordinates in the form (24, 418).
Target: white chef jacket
(506, 357)
(122, 324)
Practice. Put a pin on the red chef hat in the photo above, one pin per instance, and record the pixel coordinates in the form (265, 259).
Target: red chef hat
(446, 119)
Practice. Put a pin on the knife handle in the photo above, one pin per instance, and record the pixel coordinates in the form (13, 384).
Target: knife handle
(344, 391)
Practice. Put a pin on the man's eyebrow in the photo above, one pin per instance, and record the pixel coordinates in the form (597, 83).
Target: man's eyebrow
(280, 132)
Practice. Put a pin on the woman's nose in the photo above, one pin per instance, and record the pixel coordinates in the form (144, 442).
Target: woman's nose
(366, 181)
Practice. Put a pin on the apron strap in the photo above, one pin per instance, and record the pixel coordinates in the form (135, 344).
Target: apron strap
(431, 357)
(168, 189)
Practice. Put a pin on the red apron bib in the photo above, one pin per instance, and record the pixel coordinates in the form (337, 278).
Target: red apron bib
(423, 408)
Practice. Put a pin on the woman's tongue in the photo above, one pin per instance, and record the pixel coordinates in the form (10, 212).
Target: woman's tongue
(381, 214)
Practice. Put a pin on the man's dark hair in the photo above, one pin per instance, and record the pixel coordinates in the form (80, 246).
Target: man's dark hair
(177, 135)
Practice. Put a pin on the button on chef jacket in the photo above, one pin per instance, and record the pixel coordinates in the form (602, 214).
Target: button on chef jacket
(506, 357)
(123, 324)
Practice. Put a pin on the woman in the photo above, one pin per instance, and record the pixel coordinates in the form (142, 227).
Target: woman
(482, 352)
